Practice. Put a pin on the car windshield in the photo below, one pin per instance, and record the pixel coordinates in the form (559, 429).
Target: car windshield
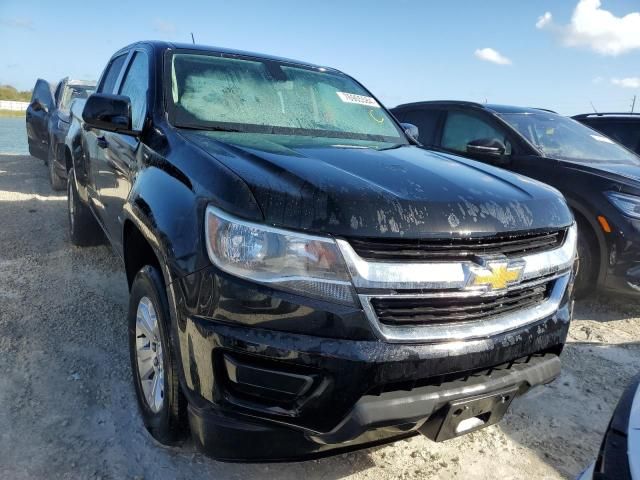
(215, 92)
(564, 138)
(71, 92)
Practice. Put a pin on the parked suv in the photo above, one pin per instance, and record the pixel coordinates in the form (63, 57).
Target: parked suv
(599, 179)
(302, 277)
(624, 128)
(48, 122)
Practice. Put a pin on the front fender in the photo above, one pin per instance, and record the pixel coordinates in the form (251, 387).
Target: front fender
(166, 210)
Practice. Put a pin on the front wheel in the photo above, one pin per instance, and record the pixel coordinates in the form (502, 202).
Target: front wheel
(586, 277)
(83, 227)
(155, 373)
(56, 181)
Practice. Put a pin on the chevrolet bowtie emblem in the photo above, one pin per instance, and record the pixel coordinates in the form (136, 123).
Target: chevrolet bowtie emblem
(496, 275)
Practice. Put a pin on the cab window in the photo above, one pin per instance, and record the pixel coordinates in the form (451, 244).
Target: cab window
(110, 77)
(427, 122)
(58, 95)
(461, 128)
(135, 85)
(626, 133)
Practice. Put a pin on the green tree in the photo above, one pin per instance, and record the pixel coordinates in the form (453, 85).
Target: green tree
(7, 92)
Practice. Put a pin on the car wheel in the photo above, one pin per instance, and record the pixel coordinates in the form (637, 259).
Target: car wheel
(155, 373)
(56, 181)
(83, 227)
(587, 262)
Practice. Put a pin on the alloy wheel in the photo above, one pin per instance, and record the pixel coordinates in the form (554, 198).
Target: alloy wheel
(149, 355)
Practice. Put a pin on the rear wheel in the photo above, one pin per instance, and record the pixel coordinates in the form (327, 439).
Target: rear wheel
(155, 373)
(83, 227)
(56, 181)
(586, 278)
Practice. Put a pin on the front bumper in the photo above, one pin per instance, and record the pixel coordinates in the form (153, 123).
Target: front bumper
(374, 419)
(262, 392)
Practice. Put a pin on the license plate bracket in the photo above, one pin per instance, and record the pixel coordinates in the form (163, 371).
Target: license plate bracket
(469, 414)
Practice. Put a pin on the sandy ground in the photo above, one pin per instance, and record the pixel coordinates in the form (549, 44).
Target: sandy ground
(67, 406)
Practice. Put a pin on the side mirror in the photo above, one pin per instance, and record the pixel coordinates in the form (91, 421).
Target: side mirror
(108, 112)
(491, 149)
(411, 130)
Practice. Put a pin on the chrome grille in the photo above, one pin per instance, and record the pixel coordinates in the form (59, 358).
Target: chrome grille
(452, 294)
(456, 249)
(443, 310)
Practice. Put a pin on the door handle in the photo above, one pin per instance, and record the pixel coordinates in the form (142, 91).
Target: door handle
(102, 142)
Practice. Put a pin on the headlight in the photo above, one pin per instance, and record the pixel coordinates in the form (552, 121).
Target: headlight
(627, 204)
(296, 262)
(62, 125)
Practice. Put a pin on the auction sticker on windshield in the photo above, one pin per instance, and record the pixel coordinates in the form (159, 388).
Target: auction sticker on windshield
(358, 99)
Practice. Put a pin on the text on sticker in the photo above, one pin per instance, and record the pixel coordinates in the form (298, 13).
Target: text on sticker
(357, 99)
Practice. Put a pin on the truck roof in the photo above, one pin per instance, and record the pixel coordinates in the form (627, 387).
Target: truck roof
(163, 45)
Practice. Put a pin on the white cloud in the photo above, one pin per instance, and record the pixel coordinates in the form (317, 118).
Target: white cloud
(491, 55)
(164, 26)
(596, 28)
(629, 82)
(544, 20)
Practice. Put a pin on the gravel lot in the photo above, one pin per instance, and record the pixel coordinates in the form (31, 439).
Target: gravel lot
(67, 406)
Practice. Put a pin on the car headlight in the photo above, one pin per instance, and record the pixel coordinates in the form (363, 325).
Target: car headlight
(295, 262)
(62, 125)
(627, 204)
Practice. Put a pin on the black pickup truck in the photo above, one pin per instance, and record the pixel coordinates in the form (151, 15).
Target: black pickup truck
(303, 278)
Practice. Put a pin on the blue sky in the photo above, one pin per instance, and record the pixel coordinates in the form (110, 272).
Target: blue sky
(402, 51)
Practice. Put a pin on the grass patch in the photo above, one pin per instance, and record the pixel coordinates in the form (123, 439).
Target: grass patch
(11, 113)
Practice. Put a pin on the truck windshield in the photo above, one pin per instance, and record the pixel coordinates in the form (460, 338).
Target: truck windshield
(560, 137)
(214, 92)
(71, 92)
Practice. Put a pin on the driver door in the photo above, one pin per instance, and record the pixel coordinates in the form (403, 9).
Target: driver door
(37, 117)
(96, 140)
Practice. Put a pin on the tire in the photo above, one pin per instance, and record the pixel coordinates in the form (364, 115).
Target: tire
(586, 278)
(153, 360)
(57, 182)
(83, 227)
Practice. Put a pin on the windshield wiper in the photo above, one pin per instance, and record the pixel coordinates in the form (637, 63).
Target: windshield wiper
(211, 128)
(394, 146)
(223, 129)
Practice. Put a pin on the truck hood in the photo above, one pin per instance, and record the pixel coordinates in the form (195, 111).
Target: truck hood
(368, 189)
